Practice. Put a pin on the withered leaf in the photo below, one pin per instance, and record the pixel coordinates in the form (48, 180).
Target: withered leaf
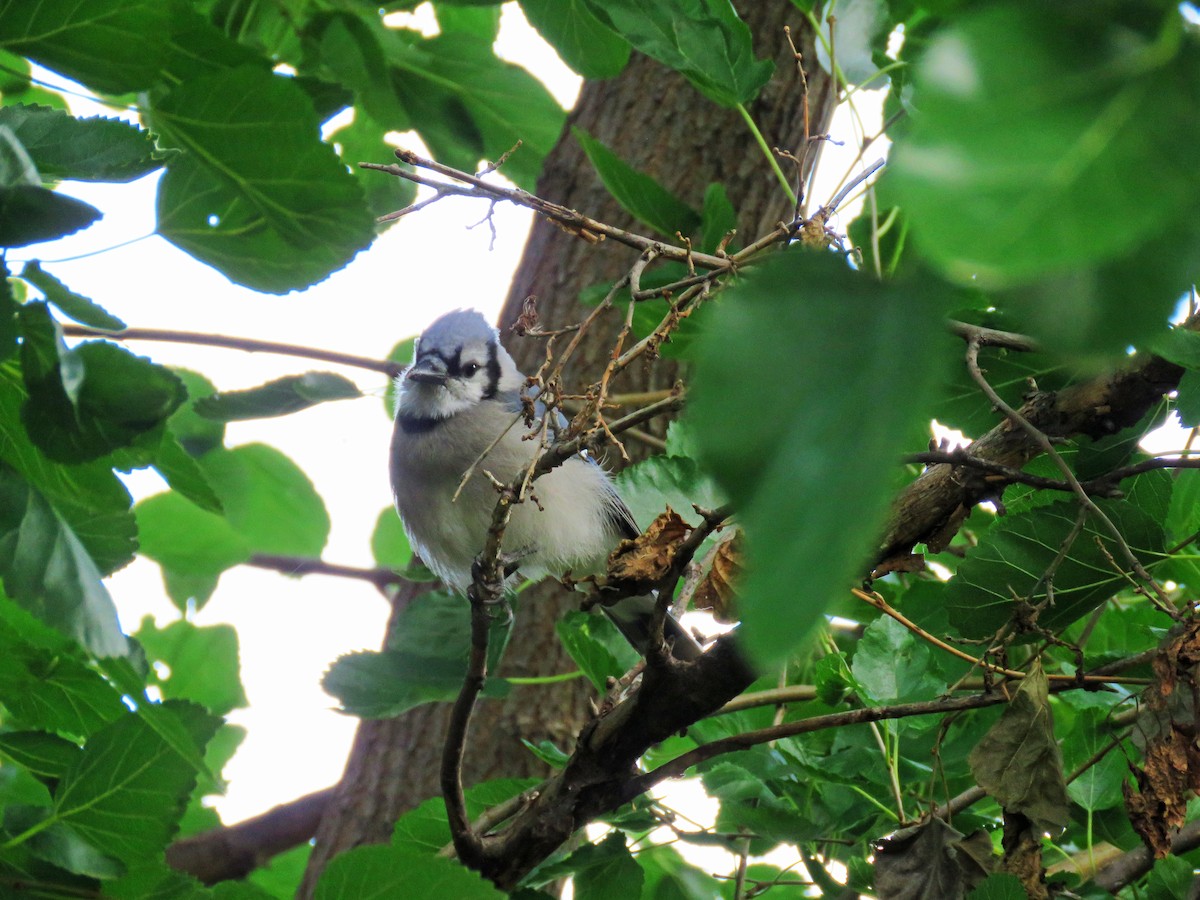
(931, 861)
(641, 563)
(718, 590)
(1166, 733)
(1018, 762)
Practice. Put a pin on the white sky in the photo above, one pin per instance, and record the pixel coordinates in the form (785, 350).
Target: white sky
(291, 629)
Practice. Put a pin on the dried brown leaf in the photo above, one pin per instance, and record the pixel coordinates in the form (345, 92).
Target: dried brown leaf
(718, 590)
(1166, 732)
(641, 563)
(1018, 761)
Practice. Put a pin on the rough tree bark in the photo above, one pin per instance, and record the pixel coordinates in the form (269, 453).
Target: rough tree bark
(658, 123)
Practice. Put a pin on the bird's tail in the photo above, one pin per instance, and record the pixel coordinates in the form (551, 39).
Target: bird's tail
(633, 616)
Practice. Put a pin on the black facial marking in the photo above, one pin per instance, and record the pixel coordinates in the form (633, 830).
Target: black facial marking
(493, 372)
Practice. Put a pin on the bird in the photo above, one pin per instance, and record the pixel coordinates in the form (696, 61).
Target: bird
(458, 411)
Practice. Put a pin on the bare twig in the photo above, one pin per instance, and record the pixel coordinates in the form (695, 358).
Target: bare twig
(249, 345)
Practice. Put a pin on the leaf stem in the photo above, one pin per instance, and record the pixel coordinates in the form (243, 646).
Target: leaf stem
(762, 145)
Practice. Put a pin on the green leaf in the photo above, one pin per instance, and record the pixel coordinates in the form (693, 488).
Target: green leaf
(455, 75)
(183, 474)
(268, 499)
(478, 21)
(393, 873)
(389, 543)
(999, 886)
(426, 828)
(112, 47)
(546, 751)
(1046, 140)
(89, 497)
(280, 397)
(814, 313)
(196, 434)
(202, 663)
(9, 332)
(365, 140)
(92, 399)
(48, 571)
(640, 195)
(44, 681)
(276, 220)
(607, 871)
(582, 40)
(425, 660)
(127, 790)
(718, 219)
(596, 646)
(893, 666)
(652, 485)
(46, 755)
(1018, 762)
(703, 40)
(30, 215)
(74, 306)
(1014, 552)
(93, 149)
(60, 844)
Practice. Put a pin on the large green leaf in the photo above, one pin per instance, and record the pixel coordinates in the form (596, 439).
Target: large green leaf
(793, 347)
(44, 682)
(1014, 553)
(47, 570)
(94, 149)
(90, 497)
(125, 793)
(113, 47)
(583, 41)
(704, 40)
(640, 195)
(1045, 139)
(258, 195)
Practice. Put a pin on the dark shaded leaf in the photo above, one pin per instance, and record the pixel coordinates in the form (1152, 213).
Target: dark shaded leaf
(583, 41)
(60, 844)
(893, 666)
(812, 312)
(90, 400)
(9, 331)
(718, 220)
(640, 195)
(74, 306)
(30, 215)
(46, 755)
(93, 149)
(1018, 761)
(607, 870)
(596, 646)
(931, 861)
(999, 886)
(195, 434)
(280, 397)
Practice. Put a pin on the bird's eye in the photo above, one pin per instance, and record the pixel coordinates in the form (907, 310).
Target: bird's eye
(470, 369)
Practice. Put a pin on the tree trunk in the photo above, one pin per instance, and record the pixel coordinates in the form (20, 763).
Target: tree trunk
(655, 121)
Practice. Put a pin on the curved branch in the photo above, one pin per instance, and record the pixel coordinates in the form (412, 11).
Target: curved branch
(248, 345)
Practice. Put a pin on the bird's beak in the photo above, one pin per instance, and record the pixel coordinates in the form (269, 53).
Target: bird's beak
(426, 371)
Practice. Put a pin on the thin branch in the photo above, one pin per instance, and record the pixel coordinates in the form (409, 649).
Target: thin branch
(381, 577)
(990, 337)
(249, 345)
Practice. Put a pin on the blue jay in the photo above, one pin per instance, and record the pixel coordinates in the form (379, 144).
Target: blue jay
(461, 394)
